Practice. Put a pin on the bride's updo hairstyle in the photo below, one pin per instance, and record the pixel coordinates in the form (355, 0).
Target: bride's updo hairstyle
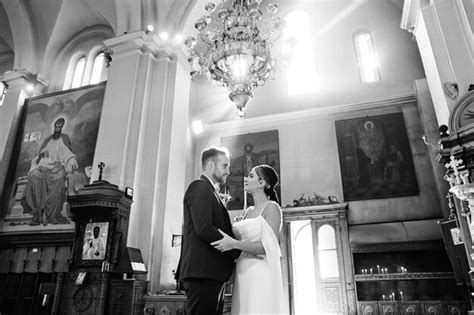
(270, 176)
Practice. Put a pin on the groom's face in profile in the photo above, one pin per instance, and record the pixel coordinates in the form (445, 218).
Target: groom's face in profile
(221, 168)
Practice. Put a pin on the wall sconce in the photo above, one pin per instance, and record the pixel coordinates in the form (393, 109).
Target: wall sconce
(129, 192)
(176, 240)
(451, 89)
(107, 58)
(3, 92)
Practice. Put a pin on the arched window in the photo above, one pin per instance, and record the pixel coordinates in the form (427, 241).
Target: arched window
(301, 74)
(366, 56)
(78, 73)
(84, 70)
(303, 267)
(98, 68)
(328, 264)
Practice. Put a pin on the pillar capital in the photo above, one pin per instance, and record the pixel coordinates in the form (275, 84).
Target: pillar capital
(411, 10)
(147, 43)
(21, 77)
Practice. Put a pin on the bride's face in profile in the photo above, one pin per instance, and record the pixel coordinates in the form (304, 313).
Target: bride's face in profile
(252, 182)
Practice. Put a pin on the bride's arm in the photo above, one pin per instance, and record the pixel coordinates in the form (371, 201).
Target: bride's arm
(272, 216)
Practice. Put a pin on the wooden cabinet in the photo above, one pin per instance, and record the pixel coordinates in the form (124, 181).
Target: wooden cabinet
(412, 307)
(407, 278)
(158, 304)
(126, 296)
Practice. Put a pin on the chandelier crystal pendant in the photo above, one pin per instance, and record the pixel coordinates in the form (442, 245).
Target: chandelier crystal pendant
(234, 47)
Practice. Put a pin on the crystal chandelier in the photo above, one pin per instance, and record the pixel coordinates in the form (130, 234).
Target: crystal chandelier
(234, 47)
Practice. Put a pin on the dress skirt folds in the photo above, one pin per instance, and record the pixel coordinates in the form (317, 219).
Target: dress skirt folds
(258, 287)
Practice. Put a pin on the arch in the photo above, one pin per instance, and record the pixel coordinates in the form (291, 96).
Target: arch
(98, 71)
(89, 39)
(71, 69)
(24, 35)
(326, 237)
(91, 62)
(327, 252)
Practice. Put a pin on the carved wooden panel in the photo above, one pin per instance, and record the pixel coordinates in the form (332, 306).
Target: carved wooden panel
(333, 299)
(388, 308)
(410, 308)
(165, 304)
(432, 308)
(455, 307)
(368, 308)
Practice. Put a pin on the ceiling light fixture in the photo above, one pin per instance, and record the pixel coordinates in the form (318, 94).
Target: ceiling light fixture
(234, 47)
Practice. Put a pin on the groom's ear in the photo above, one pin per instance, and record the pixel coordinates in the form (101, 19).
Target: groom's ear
(211, 165)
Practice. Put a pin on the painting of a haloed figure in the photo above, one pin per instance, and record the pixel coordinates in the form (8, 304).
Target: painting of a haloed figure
(375, 157)
(95, 241)
(56, 149)
(247, 151)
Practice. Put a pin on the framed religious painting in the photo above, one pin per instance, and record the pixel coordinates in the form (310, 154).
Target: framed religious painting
(95, 241)
(52, 158)
(247, 151)
(375, 158)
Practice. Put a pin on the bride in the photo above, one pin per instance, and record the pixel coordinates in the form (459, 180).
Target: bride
(258, 287)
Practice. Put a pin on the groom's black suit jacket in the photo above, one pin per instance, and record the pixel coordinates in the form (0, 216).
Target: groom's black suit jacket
(204, 213)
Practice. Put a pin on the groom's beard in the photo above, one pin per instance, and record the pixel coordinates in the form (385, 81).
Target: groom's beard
(221, 179)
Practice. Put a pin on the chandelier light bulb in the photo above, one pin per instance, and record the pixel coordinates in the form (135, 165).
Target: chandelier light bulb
(235, 47)
(178, 38)
(223, 13)
(164, 36)
(272, 8)
(190, 42)
(150, 28)
(210, 7)
(241, 113)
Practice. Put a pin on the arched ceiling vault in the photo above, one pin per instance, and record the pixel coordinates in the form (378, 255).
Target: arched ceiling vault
(35, 31)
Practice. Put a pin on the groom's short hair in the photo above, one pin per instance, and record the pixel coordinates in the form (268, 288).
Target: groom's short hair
(212, 153)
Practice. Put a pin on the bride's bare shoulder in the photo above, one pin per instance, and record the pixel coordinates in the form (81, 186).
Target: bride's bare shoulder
(272, 208)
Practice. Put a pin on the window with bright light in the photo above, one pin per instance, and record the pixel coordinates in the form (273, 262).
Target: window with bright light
(301, 73)
(86, 68)
(367, 58)
(328, 264)
(98, 68)
(78, 73)
(304, 286)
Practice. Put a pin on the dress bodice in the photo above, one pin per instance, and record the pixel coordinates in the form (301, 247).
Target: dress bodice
(248, 229)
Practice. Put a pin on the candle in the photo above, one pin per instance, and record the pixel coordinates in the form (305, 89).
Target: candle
(245, 200)
(370, 270)
(401, 296)
(393, 296)
(378, 268)
(383, 297)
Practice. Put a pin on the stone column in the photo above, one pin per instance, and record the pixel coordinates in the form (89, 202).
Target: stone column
(430, 130)
(444, 38)
(142, 140)
(21, 85)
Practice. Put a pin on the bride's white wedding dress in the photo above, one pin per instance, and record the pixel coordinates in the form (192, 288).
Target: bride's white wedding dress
(258, 286)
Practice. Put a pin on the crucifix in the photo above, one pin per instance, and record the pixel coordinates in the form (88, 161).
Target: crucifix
(456, 165)
(101, 169)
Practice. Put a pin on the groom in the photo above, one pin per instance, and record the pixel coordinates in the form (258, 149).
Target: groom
(202, 269)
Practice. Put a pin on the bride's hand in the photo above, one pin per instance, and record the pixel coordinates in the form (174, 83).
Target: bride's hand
(225, 243)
